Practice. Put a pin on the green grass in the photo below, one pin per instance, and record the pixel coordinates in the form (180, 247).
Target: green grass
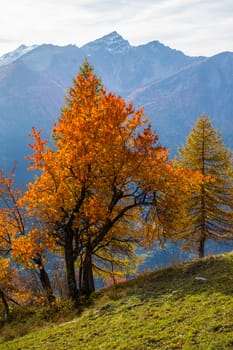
(167, 309)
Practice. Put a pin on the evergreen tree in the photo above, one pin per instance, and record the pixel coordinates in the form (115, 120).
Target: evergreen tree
(210, 211)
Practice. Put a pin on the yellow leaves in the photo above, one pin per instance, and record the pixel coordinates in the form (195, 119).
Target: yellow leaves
(7, 274)
(10, 283)
(19, 239)
(4, 263)
(25, 248)
(96, 143)
(23, 251)
(38, 147)
(105, 159)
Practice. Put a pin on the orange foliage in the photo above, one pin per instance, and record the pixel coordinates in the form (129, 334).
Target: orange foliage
(105, 166)
(18, 236)
(101, 147)
(10, 284)
(21, 241)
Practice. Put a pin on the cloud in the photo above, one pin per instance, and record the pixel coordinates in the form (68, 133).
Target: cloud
(6, 40)
(196, 27)
(201, 27)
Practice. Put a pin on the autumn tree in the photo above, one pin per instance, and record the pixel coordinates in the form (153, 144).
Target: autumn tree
(12, 290)
(100, 180)
(7, 284)
(210, 211)
(18, 237)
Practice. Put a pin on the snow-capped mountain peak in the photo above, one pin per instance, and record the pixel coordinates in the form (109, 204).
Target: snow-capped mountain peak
(16, 54)
(112, 42)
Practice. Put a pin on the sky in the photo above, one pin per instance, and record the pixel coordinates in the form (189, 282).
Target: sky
(196, 27)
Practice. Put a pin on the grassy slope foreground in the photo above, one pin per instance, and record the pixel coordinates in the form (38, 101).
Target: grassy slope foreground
(167, 309)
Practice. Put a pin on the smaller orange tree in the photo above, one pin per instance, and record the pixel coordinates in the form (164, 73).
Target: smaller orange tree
(105, 175)
(18, 237)
(12, 290)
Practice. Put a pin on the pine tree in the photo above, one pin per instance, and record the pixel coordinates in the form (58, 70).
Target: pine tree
(210, 211)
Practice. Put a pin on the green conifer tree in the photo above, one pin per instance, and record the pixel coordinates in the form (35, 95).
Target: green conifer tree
(210, 211)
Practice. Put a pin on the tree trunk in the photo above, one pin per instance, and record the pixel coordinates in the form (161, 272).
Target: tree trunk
(70, 269)
(5, 304)
(87, 279)
(44, 279)
(201, 248)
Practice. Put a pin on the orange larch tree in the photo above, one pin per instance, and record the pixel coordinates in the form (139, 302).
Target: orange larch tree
(105, 168)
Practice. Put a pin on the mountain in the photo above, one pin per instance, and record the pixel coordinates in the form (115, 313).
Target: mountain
(124, 68)
(14, 55)
(174, 89)
(113, 43)
(175, 102)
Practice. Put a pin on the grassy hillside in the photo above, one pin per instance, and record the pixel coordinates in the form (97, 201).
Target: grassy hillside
(167, 309)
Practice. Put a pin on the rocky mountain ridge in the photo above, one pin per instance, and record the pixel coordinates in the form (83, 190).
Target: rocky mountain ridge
(174, 89)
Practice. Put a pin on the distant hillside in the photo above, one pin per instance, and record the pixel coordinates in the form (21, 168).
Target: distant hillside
(175, 102)
(173, 88)
(187, 306)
